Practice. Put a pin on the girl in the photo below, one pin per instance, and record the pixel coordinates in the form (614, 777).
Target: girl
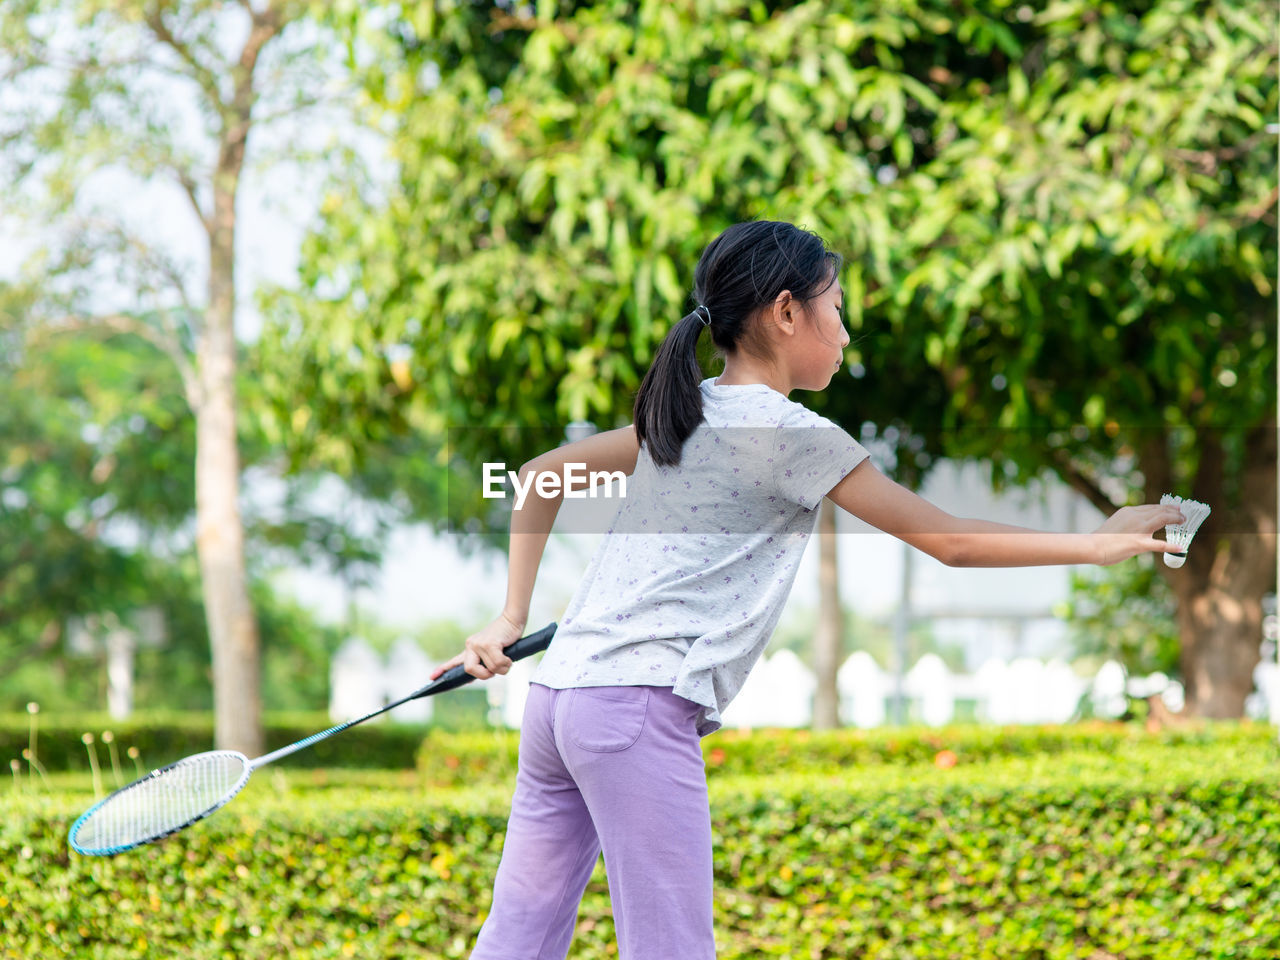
(726, 476)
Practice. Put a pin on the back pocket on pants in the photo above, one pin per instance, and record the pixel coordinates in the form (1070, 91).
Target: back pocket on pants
(606, 719)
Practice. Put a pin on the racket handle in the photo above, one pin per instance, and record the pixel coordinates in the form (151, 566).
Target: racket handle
(457, 676)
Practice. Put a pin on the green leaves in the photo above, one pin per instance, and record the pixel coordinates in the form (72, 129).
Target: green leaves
(93, 437)
(1055, 843)
(1056, 220)
(1124, 613)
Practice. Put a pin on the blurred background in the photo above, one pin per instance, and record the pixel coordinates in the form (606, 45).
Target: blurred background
(276, 278)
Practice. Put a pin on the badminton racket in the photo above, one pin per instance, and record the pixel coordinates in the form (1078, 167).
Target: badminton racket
(167, 800)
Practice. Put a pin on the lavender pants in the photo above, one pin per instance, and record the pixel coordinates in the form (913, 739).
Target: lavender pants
(618, 769)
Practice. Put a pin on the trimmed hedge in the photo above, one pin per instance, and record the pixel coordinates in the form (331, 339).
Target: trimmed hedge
(448, 760)
(1146, 851)
(162, 737)
(449, 757)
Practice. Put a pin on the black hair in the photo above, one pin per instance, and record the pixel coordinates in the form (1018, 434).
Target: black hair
(740, 271)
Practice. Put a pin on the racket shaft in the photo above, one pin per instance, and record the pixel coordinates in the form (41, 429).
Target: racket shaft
(305, 742)
(449, 680)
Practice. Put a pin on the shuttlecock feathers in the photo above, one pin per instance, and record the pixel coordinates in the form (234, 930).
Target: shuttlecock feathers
(1179, 534)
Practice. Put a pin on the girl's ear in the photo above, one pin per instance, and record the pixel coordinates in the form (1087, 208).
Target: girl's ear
(785, 313)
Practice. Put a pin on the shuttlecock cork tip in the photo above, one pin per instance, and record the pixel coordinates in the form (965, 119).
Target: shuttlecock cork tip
(1179, 535)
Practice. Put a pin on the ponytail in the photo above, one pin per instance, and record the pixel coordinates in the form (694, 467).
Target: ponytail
(742, 270)
(669, 402)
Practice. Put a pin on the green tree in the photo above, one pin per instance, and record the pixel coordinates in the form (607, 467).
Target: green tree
(1058, 224)
(95, 507)
(69, 479)
(1095, 244)
(167, 92)
(1125, 614)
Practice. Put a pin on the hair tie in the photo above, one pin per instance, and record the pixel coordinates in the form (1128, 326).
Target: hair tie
(706, 320)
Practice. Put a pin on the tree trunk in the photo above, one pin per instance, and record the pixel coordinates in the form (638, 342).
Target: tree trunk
(233, 631)
(1230, 565)
(828, 639)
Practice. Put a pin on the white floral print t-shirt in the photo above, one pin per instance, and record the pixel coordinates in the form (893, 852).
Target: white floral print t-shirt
(689, 581)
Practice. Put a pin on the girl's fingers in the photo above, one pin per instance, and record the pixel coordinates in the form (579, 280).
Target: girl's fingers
(475, 666)
(483, 657)
(447, 665)
(496, 660)
(1162, 515)
(490, 654)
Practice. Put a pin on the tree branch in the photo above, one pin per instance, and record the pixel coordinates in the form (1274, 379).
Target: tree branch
(1263, 211)
(153, 264)
(189, 187)
(238, 114)
(163, 340)
(1082, 484)
(304, 103)
(167, 269)
(1208, 160)
(205, 77)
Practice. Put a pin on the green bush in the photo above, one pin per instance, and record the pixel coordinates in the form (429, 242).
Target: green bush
(1144, 849)
(458, 750)
(447, 759)
(162, 737)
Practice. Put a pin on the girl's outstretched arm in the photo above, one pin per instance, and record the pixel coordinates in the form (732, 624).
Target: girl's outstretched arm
(608, 452)
(960, 542)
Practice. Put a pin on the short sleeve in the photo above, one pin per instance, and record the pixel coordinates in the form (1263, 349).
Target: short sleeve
(811, 455)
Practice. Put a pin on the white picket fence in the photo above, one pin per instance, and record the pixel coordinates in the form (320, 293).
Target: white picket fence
(779, 691)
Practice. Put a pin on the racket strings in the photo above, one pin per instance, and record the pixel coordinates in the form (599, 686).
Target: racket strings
(162, 803)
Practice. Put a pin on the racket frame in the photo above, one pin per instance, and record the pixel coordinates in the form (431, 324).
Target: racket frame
(142, 781)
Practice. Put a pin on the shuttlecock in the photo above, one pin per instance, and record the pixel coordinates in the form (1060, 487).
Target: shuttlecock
(1179, 534)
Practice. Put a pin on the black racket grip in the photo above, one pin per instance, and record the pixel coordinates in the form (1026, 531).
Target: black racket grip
(457, 676)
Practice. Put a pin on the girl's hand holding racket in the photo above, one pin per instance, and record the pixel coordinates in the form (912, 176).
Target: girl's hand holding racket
(1129, 532)
(484, 657)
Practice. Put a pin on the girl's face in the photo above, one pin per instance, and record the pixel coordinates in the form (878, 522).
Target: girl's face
(824, 337)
